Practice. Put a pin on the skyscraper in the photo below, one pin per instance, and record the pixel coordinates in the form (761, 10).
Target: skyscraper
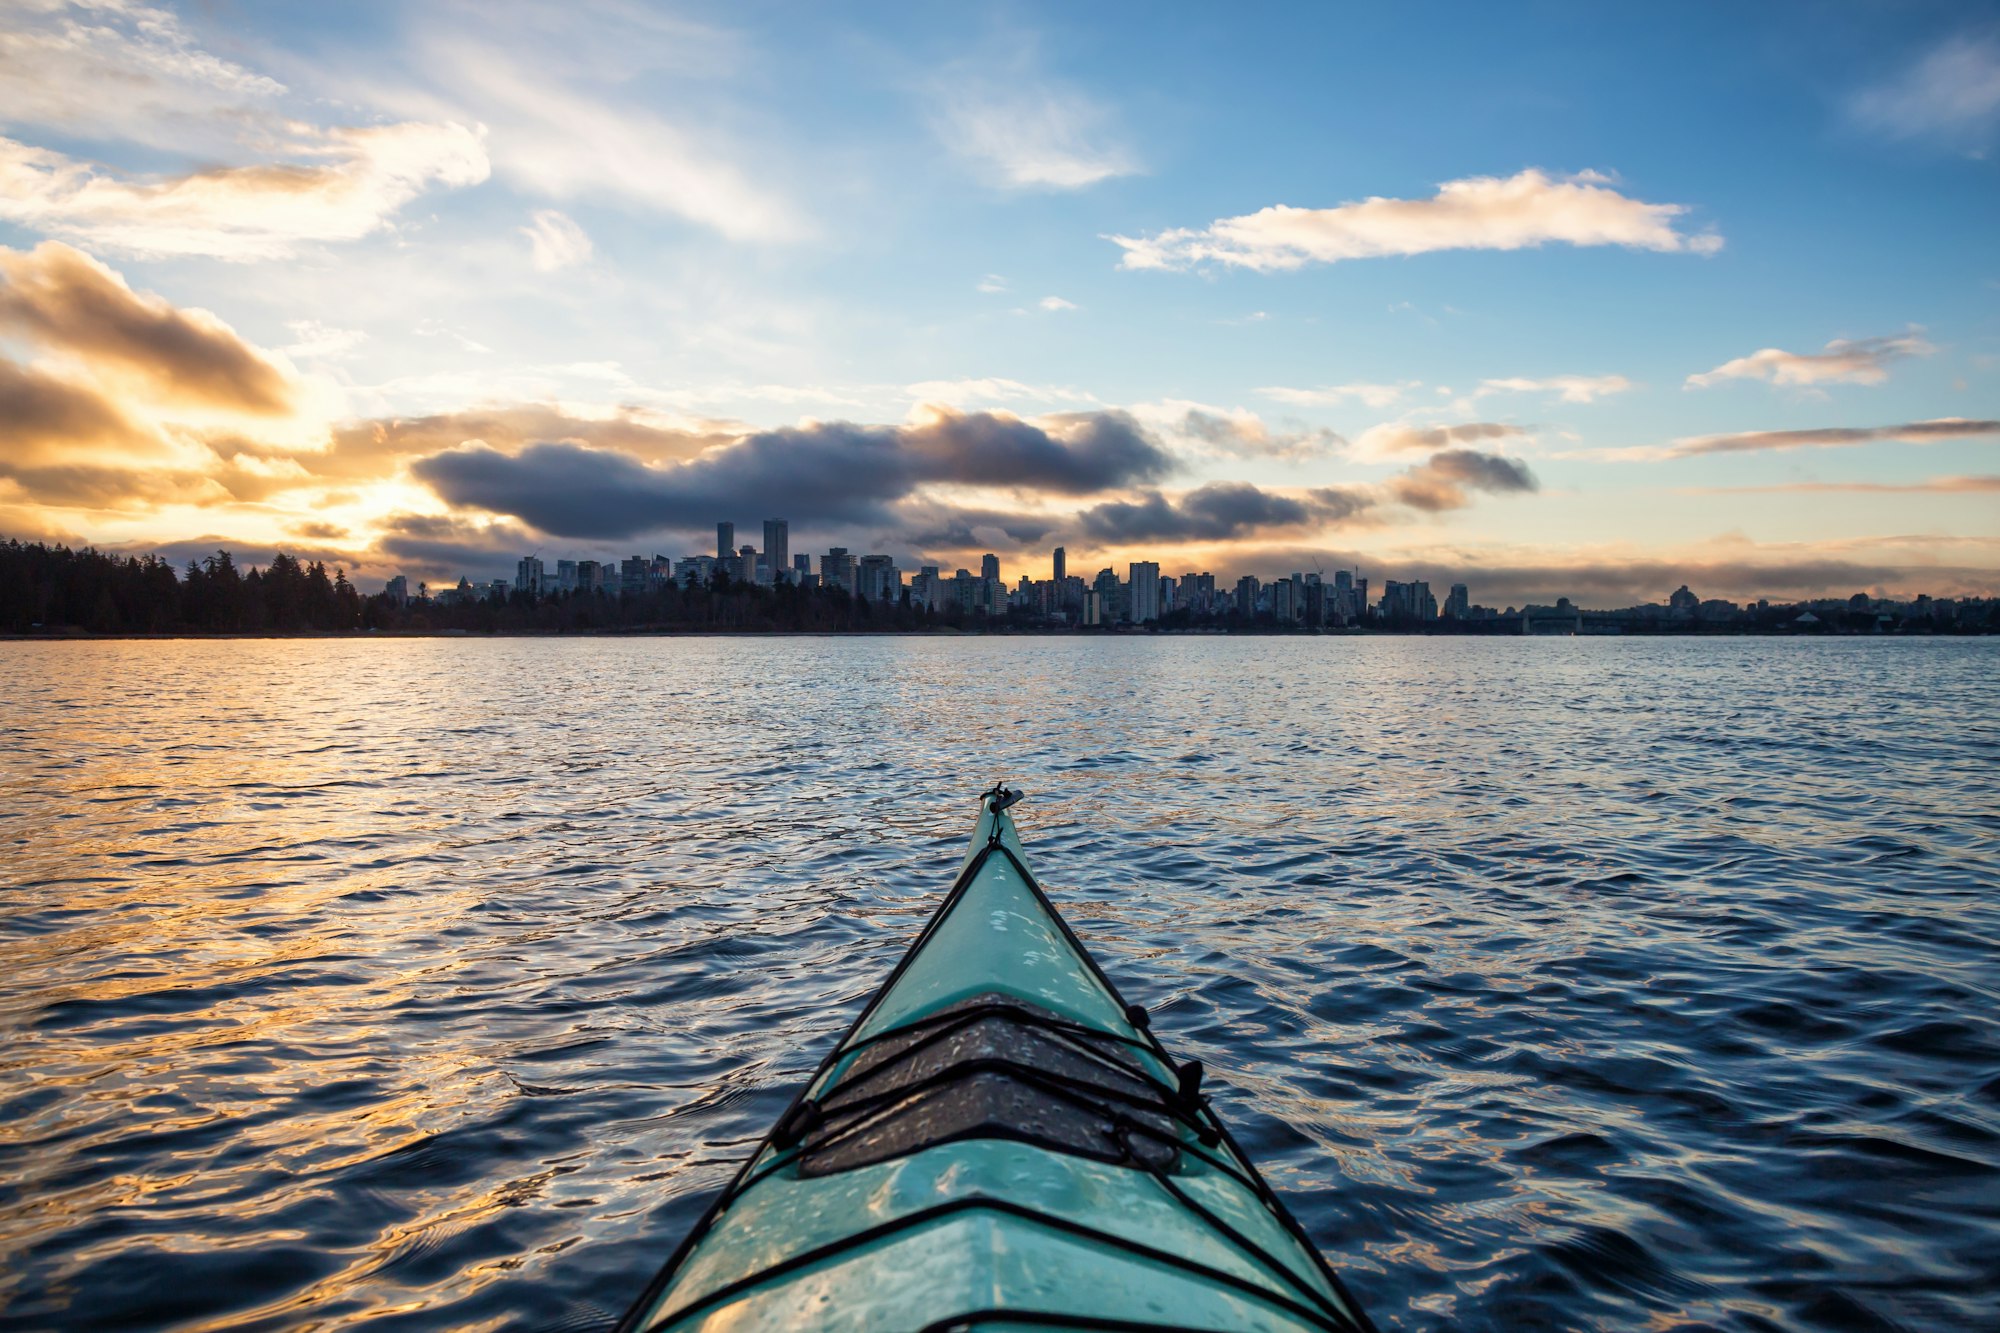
(725, 542)
(528, 575)
(1062, 567)
(1144, 577)
(1459, 605)
(778, 547)
(989, 567)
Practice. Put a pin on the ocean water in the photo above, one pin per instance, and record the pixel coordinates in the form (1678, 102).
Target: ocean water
(1556, 983)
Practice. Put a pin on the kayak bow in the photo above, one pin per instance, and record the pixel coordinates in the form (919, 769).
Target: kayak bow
(998, 1142)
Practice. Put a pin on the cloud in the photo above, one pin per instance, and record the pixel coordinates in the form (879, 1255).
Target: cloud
(1025, 138)
(362, 449)
(1830, 437)
(1570, 388)
(1929, 486)
(1862, 361)
(1218, 511)
(1241, 434)
(1443, 482)
(824, 472)
(43, 418)
(1951, 94)
(989, 389)
(1529, 209)
(349, 184)
(61, 297)
(992, 284)
(443, 545)
(1055, 303)
(124, 71)
(561, 129)
(556, 240)
(1373, 395)
(1394, 438)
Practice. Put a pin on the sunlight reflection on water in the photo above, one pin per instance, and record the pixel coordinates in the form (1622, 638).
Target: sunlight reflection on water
(1558, 983)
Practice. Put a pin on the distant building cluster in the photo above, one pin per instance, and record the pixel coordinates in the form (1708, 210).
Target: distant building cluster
(1145, 596)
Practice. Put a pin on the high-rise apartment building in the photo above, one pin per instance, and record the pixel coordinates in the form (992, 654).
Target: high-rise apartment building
(725, 542)
(1144, 593)
(1062, 567)
(778, 547)
(1458, 606)
(836, 569)
(528, 575)
(746, 565)
(989, 567)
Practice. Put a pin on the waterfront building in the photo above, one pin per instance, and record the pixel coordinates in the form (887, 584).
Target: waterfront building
(589, 576)
(1458, 606)
(699, 568)
(398, 590)
(1284, 608)
(1562, 618)
(565, 576)
(1143, 578)
(1247, 589)
(1683, 602)
(1093, 608)
(1061, 567)
(778, 547)
(927, 589)
(633, 573)
(801, 566)
(528, 574)
(878, 579)
(725, 542)
(836, 569)
(746, 565)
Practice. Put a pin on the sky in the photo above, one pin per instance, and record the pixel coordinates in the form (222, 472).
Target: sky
(1550, 299)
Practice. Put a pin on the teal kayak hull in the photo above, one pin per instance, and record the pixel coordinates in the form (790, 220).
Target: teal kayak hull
(999, 1141)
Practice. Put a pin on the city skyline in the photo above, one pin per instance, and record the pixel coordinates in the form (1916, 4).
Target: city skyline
(1626, 300)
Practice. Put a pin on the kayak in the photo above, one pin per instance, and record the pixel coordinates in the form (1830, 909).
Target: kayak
(999, 1142)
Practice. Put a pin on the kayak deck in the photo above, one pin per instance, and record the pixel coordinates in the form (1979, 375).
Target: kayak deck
(998, 1141)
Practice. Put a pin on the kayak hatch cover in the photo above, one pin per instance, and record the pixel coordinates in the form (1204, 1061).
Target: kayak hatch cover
(999, 1142)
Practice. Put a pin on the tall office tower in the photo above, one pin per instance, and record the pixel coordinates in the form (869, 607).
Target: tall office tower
(725, 542)
(1246, 595)
(566, 576)
(1458, 606)
(989, 567)
(528, 575)
(778, 547)
(1144, 576)
(802, 565)
(1062, 567)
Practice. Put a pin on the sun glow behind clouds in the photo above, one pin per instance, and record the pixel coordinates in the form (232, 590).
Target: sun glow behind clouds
(499, 276)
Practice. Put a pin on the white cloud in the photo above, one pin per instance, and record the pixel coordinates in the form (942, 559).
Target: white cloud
(551, 93)
(1055, 303)
(1374, 395)
(992, 284)
(1862, 361)
(1392, 439)
(1952, 93)
(1529, 209)
(1031, 138)
(989, 389)
(1570, 388)
(350, 184)
(557, 240)
(320, 342)
(119, 71)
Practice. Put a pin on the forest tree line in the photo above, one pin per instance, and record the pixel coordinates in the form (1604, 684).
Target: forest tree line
(54, 589)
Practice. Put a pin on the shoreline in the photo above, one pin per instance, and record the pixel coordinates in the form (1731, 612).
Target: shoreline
(87, 636)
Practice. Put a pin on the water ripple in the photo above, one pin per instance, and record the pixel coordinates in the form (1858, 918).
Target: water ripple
(1559, 983)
